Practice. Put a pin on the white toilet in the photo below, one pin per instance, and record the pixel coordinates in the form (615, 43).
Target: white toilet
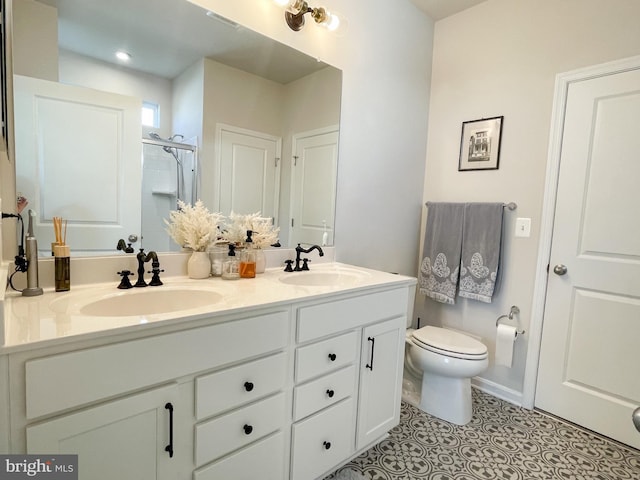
(446, 360)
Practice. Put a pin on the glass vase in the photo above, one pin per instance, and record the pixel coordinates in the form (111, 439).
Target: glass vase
(261, 261)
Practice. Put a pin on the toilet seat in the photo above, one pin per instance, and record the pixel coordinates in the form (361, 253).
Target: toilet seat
(449, 343)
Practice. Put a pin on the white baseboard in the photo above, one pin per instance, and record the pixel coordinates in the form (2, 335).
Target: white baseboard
(497, 390)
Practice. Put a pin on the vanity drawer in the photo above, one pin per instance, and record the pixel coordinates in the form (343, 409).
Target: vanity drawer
(316, 321)
(224, 434)
(236, 386)
(263, 460)
(323, 441)
(93, 374)
(323, 392)
(323, 357)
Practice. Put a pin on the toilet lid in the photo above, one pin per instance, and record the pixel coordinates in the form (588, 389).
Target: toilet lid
(449, 341)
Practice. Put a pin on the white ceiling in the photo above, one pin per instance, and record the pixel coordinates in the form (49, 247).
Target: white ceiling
(164, 37)
(439, 9)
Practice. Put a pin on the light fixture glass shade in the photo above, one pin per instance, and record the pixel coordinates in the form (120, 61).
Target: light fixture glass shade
(331, 21)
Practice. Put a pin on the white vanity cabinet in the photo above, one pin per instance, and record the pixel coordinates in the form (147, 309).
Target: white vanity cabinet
(161, 406)
(290, 388)
(380, 380)
(128, 438)
(352, 348)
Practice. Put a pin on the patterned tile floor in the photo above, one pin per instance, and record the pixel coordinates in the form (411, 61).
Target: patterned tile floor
(502, 441)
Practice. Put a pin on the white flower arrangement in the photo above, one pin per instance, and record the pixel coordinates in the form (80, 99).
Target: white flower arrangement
(264, 232)
(193, 226)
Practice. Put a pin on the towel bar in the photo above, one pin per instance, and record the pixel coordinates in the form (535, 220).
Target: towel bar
(510, 206)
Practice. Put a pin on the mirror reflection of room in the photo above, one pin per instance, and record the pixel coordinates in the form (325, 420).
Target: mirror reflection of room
(221, 114)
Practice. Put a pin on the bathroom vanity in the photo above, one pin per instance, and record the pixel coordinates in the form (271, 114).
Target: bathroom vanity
(288, 375)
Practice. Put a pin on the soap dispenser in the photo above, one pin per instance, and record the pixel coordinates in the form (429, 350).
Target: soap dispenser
(231, 267)
(248, 258)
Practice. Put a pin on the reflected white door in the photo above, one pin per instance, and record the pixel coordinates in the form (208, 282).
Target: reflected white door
(249, 172)
(590, 352)
(313, 190)
(78, 156)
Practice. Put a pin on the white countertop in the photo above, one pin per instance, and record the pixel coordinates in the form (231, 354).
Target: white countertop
(60, 317)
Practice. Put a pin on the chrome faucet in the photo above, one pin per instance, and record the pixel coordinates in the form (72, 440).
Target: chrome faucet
(155, 268)
(305, 261)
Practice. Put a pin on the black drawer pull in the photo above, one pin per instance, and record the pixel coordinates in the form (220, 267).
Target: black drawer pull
(327, 445)
(373, 344)
(248, 386)
(332, 357)
(330, 393)
(247, 429)
(169, 448)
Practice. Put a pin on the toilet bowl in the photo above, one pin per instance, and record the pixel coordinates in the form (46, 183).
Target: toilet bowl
(447, 360)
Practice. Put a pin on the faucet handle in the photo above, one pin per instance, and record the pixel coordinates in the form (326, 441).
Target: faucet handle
(155, 279)
(288, 267)
(305, 264)
(125, 282)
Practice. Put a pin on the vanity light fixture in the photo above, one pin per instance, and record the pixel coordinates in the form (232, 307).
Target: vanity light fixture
(295, 10)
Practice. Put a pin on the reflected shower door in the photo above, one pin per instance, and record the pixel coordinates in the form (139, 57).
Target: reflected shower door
(169, 174)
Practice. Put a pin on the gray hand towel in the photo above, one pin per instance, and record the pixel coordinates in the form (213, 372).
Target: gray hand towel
(481, 244)
(440, 265)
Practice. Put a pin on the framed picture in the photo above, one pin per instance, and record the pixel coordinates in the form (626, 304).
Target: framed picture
(480, 144)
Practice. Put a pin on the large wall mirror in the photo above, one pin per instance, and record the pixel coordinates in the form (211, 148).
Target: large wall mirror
(201, 109)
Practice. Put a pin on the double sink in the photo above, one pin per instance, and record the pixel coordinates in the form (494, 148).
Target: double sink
(107, 301)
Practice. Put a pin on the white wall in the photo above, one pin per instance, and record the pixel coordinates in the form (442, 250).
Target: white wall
(385, 55)
(88, 72)
(35, 36)
(501, 58)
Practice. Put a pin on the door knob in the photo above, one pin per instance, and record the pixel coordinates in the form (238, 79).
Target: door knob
(636, 418)
(560, 269)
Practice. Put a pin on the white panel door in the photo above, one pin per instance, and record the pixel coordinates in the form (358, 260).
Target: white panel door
(249, 172)
(313, 190)
(588, 371)
(78, 156)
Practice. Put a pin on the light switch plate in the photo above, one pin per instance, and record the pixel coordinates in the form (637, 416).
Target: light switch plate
(523, 227)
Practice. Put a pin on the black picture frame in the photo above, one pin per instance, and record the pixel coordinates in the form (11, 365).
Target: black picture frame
(480, 144)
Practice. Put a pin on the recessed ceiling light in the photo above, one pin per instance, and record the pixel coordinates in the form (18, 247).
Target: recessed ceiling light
(124, 56)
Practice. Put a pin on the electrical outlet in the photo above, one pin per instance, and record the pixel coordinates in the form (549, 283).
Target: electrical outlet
(523, 227)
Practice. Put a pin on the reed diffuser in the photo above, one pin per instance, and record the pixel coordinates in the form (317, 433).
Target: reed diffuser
(62, 256)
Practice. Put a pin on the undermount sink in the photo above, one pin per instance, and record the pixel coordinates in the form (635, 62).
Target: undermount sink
(340, 277)
(137, 302)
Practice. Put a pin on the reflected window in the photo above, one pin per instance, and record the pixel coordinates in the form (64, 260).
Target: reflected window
(150, 114)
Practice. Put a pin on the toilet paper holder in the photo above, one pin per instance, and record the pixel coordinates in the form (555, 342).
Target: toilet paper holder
(514, 311)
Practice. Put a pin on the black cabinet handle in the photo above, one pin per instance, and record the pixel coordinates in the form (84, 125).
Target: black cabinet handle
(169, 448)
(248, 386)
(373, 344)
(330, 393)
(332, 357)
(247, 429)
(327, 445)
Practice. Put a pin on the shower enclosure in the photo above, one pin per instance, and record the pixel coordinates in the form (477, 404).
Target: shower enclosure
(169, 174)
